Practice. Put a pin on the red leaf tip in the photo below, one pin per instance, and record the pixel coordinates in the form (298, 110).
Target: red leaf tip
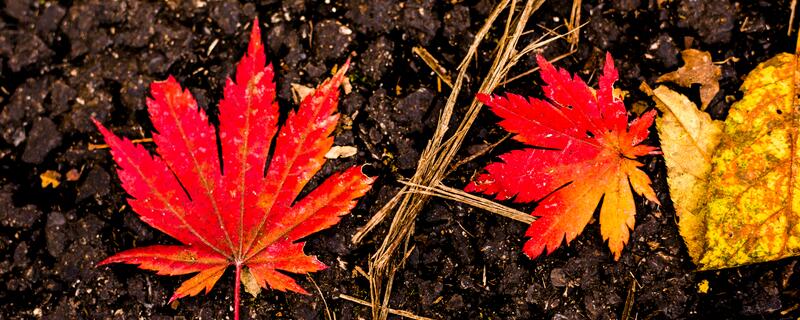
(610, 74)
(103, 263)
(255, 46)
(103, 130)
(342, 71)
(484, 98)
(543, 64)
(346, 64)
(610, 61)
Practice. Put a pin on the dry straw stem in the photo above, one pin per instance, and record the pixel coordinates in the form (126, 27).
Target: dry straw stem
(93, 146)
(534, 69)
(573, 24)
(328, 314)
(791, 17)
(477, 154)
(459, 195)
(433, 64)
(539, 43)
(441, 149)
(629, 301)
(392, 311)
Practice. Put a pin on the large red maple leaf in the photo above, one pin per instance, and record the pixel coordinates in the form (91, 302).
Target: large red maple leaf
(585, 151)
(242, 212)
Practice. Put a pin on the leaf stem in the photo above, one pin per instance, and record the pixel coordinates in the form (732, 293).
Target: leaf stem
(236, 290)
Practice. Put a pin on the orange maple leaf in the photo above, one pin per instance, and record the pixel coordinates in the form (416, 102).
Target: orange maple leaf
(583, 151)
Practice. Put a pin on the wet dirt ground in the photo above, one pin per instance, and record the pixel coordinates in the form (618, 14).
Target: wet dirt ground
(64, 61)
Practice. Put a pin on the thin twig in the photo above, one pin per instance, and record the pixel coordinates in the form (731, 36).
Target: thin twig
(545, 41)
(433, 64)
(534, 69)
(477, 154)
(328, 313)
(454, 194)
(401, 313)
(791, 18)
(574, 20)
(535, 46)
(797, 46)
(629, 301)
(790, 309)
(93, 146)
(361, 272)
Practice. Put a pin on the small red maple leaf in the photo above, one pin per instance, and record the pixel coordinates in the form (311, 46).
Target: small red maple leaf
(243, 212)
(585, 151)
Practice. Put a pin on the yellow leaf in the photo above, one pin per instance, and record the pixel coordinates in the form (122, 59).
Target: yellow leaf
(50, 178)
(688, 139)
(740, 207)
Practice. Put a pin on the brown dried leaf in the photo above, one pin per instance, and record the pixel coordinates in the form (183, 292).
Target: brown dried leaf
(697, 69)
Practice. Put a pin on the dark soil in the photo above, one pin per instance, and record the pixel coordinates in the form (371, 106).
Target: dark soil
(62, 62)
